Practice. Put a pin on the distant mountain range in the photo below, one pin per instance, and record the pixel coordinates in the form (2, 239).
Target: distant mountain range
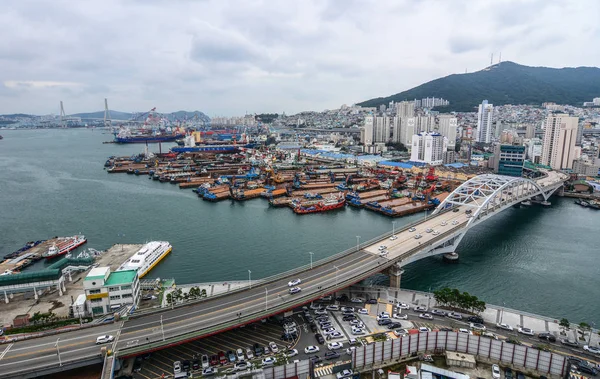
(506, 83)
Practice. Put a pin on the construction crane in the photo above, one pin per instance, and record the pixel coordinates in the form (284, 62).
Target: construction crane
(431, 177)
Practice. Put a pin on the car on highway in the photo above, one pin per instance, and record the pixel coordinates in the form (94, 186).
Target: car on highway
(205, 361)
(445, 329)
(357, 300)
(437, 312)
(331, 355)
(444, 223)
(249, 353)
(320, 338)
(241, 366)
(435, 233)
(417, 236)
(400, 332)
(424, 329)
(400, 305)
(476, 319)
(454, 315)
(208, 371)
(176, 367)
(495, 371)
(569, 343)
(420, 308)
(291, 353)
(294, 290)
(332, 307)
(382, 247)
(357, 331)
(335, 345)
(428, 230)
(526, 331)
(591, 349)
(489, 335)
(400, 316)
(465, 331)
(294, 282)
(393, 238)
(547, 336)
(273, 347)
(311, 349)
(504, 326)
(268, 361)
(104, 339)
(412, 230)
(363, 311)
(455, 222)
(426, 316)
(477, 326)
(344, 374)
(383, 253)
(214, 360)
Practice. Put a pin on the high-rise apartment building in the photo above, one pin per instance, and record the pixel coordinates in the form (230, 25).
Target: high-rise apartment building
(407, 129)
(560, 134)
(428, 148)
(405, 109)
(425, 124)
(366, 135)
(447, 126)
(484, 122)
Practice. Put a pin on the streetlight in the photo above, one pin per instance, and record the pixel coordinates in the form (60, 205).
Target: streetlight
(250, 278)
(591, 331)
(162, 328)
(336, 275)
(502, 314)
(266, 299)
(357, 243)
(428, 299)
(393, 228)
(58, 351)
(311, 255)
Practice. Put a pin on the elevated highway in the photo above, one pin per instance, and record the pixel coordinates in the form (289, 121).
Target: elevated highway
(484, 196)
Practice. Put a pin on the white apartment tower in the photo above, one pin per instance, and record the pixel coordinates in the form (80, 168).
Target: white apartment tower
(407, 129)
(447, 126)
(367, 132)
(405, 109)
(425, 124)
(428, 148)
(484, 122)
(560, 134)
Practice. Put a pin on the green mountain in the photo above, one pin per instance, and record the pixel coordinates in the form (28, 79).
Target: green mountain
(506, 83)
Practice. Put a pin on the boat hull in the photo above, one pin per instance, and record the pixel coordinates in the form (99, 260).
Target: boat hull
(148, 139)
(65, 250)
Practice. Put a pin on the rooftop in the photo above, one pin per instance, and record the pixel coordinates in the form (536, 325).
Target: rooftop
(97, 273)
(121, 277)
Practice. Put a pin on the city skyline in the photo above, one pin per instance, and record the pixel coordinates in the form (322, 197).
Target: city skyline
(230, 58)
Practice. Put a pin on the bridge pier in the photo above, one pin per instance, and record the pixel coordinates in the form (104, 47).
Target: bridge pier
(395, 273)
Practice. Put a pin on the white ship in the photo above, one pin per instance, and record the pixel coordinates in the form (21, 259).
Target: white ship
(147, 257)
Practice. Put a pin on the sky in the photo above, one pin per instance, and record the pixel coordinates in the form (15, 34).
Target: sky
(229, 58)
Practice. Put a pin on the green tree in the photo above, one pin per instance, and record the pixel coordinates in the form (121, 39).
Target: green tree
(564, 324)
(169, 298)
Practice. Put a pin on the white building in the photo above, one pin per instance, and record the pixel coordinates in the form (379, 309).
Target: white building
(106, 291)
(484, 122)
(560, 135)
(405, 109)
(586, 168)
(428, 148)
(447, 126)
(425, 124)
(366, 136)
(534, 150)
(407, 130)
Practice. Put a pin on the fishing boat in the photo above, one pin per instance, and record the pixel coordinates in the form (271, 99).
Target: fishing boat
(63, 245)
(328, 204)
(147, 257)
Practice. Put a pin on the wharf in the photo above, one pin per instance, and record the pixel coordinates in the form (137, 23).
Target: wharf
(116, 255)
(321, 191)
(371, 194)
(241, 195)
(312, 186)
(25, 258)
(196, 182)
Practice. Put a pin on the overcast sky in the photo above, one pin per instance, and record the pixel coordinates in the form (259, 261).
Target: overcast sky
(231, 57)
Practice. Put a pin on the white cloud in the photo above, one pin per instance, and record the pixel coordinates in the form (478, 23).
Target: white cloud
(226, 57)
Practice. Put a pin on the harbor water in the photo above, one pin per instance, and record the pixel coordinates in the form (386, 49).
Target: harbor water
(52, 183)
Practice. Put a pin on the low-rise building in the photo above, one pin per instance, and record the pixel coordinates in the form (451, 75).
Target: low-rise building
(509, 159)
(586, 168)
(107, 291)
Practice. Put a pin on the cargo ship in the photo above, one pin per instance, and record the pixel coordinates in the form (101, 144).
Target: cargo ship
(147, 257)
(147, 138)
(64, 245)
(328, 204)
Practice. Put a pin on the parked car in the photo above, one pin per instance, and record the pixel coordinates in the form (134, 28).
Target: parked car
(402, 306)
(185, 365)
(208, 371)
(258, 350)
(426, 316)
(214, 360)
(504, 326)
(347, 309)
(176, 367)
(231, 356)
(400, 332)
(268, 361)
(249, 353)
(591, 349)
(526, 331)
(569, 343)
(196, 364)
(357, 331)
(424, 329)
(205, 362)
(495, 371)
(475, 319)
(273, 347)
(420, 308)
(291, 353)
(508, 373)
(357, 300)
(400, 316)
(394, 325)
(316, 359)
(363, 311)
(331, 355)
(437, 312)
(335, 335)
(384, 321)
(241, 366)
(547, 336)
(454, 315)
(239, 354)
(320, 338)
(335, 345)
(344, 374)
(332, 307)
(477, 326)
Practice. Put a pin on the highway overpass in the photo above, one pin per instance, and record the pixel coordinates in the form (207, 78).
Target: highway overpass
(485, 196)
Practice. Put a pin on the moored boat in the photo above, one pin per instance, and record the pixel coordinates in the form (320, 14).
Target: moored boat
(328, 204)
(147, 257)
(64, 245)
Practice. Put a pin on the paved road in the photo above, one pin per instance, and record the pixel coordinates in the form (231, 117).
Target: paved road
(221, 313)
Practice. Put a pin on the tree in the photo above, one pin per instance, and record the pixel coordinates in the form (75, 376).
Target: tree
(564, 325)
(169, 298)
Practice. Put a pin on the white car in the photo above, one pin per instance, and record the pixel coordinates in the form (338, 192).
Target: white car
(444, 223)
(363, 311)
(393, 238)
(176, 367)
(455, 222)
(526, 331)
(383, 253)
(426, 316)
(357, 300)
(335, 345)
(424, 329)
(311, 349)
(333, 307)
(294, 290)
(208, 371)
(428, 230)
(269, 361)
(273, 347)
(420, 308)
(104, 339)
(335, 335)
(435, 233)
(465, 331)
(344, 374)
(504, 326)
(347, 309)
(400, 316)
(402, 306)
(291, 353)
(382, 247)
(400, 332)
(477, 326)
(294, 283)
(412, 230)
(329, 330)
(454, 315)
(320, 312)
(249, 353)
(357, 331)
(417, 236)
(240, 355)
(206, 362)
(495, 372)
(382, 317)
(591, 349)
(241, 366)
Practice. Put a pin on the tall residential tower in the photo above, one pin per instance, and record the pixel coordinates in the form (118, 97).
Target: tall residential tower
(560, 134)
(484, 122)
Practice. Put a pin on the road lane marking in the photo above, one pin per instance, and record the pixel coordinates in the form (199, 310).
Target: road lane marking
(6, 351)
(53, 354)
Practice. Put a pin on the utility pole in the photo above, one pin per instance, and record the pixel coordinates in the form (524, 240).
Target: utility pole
(393, 228)
(336, 275)
(266, 299)
(428, 299)
(357, 243)
(250, 278)
(311, 258)
(162, 328)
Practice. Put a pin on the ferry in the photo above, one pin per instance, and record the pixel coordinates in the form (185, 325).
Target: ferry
(64, 245)
(147, 257)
